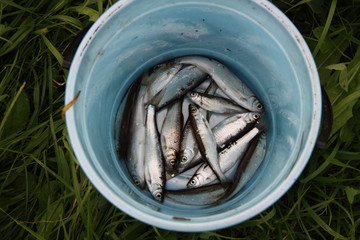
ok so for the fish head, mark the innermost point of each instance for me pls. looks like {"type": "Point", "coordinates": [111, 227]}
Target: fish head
{"type": "Point", "coordinates": [256, 105]}
{"type": "Point", "coordinates": [193, 96]}
{"type": "Point", "coordinates": [185, 157]}
{"type": "Point", "coordinates": [195, 181]}
{"type": "Point", "coordinates": [254, 116]}
{"type": "Point", "coordinates": [158, 194]}
{"type": "Point", "coordinates": [170, 159]}
{"type": "Point", "coordinates": [137, 181]}
{"type": "Point", "coordinates": [193, 110]}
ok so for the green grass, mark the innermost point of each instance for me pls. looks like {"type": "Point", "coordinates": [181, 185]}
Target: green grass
{"type": "Point", "coordinates": [45, 195]}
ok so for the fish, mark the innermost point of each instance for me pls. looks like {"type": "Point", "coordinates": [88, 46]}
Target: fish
{"type": "Point", "coordinates": [225, 132]}
{"type": "Point", "coordinates": [171, 135]}
{"type": "Point", "coordinates": [188, 147]}
{"type": "Point", "coordinates": [136, 147]}
{"type": "Point", "coordinates": [185, 80]}
{"type": "Point", "coordinates": [154, 163]}
{"type": "Point", "coordinates": [206, 141]}
{"type": "Point", "coordinates": [233, 127]}
{"type": "Point", "coordinates": [214, 103]}
{"type": "Point", "coordinates": [179, 181]}
{"type": "Point", "coordinates": [158, 80]}
{"type": "Point", "coordinates": [131, 99]}
{"type": "Point", "coordinates": [202, 196]}
{"type": "Point", "coordinates": [226, 80]}
{"type": "Point", "coordinates": [228, 158]}
{"type": "Point", "coordinates": [253, 158]}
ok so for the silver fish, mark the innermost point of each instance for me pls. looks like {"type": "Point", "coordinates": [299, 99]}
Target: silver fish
{"type": "Point", "coordinates": [228, 158]}
{"type": "Point", "coordinates": [151, 74]}
{"type": "Point", "coordinates": [214, 103]}
{"type": "Point", "coordinates": [130, 101]}
{"type": "Point", "coordinates": [227, 81]}
{"type": "Point", "coordinates": [185, 80]}
{"type": "Point", "coordinates": [248, 166]}
{"type": "Point", "coordinates": [160, 80]}
{"type": "Point", "coordinates": [229, 129]}
{"type": "Point", "coordinates": [136, 151]}
{"type": "Point", "coordinates": [179, 181]}
{"type": "Point", "coordinates": [171, 135]}
{"type": "Point", "coordinates": [233, 127]}
{"type": "Point", "coordinates": [203, 196]}
{"type": "Point", "coordinates": [188, 147]}
{"type": "Point", "coordinates": [206, 141]}
{"type": "Point", "coordinates": [154, 167]}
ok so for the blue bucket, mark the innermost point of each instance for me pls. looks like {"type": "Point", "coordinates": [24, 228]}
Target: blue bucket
{"type": "Point", "coordinates": [252, 37]}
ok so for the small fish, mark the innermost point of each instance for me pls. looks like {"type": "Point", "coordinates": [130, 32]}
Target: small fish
{"type": "Point", "coordinates": [171, 135]}
{"type": "Point", "coordinates": [160, 80]}
{"type": "Point", "coordinates": [214, 103]}
{"type": "Point", "coordinates": [228, 158]}
{"type": "Point", "coordinates": [202, 196]}
{"type": "Point", "coordinates": [233, 127]}
{"type": "Point", "coordinates": [136, 148]}
{"type": "Point", "coordinates": [179, 181]}
{"type": "Point", "coordinates": [226, 80]}
{"type": "Point", "coordinates": [185, 80]}
{"type": "Point", "coordinates": [253, 158]}
{"type": "Point", "coordinates": [188, 147]}
{"type": "Point", "coordinates": [131, 99]}
{"type": "Point", "coordinates": [225, 132]}
{"type": "Point", "coordinates": [154, 166]}
{"type": "Point", "coordinates": [206, 141]}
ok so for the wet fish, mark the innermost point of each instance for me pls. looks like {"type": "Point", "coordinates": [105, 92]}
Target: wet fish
{"type": "Point", "coordinates": [154, 166]}
{"type": "Point", "coordinates": [248, 166]}
{"type": "Point", "coordinates": [171, 135]}
{"type": "Point", "coordinates": [188, 147]}
{"type": "Point", "coordinates": [126, 119]}
{"type": "Point", "coordinates": [159, 79]}
{"type": "Point", "coordinates": [202, 196]}
{"type": "Point", "coordinates": [226, 131]}
{"type": "Point", "coordinates": [214, 103]}
{"type": "Point", "coordinates": [233, 127]}
{"type": "Point", "coordinates": [185, 80]}
{"type": "Point", "coordinates": [136, 148]}
{"type": "Point", "coordinates": [226, 80]}
{"type": "Point", "coordinates": [179, 181]}
{"type": "Point", "coordinates": [206, 141]}
{"type": "Point", "coordinates": [228, 158]}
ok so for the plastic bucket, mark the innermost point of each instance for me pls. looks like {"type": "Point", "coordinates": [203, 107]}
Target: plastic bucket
{"type": "Point", "coordinates": [252, 37]}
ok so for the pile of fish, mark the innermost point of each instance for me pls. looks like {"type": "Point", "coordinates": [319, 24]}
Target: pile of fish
{"type": "Point", "coordinates": [208, 157]}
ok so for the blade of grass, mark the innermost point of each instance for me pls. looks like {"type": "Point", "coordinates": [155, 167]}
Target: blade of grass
{"type": "Point", "coordinates": [52, 49]}
{"type": "Point", "coordinates": [326, 27]}
{"type": "Point", "coordinates": [34, 234]}
{"type": "Point", "coordinates": [321, 223]}
{"type": "Point", "coordinates": [11, 106]}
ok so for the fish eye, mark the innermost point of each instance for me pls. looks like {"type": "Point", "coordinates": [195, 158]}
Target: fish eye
{"type": "Point", "coordinates": [193, 109]}
{"type": "Point", "coordinates": [193, 94]}
{"type": "Point", "coordinates": [184, 159]}
{"type": "Point", "coordinates": [259, 106]}
{"type": "Point", "coordinates": [256, 116]}
{"type": "Point", "coordinates": [172, 162]}
{"type": "Point", "coordinates": [158, 195]}
{"type": "Point", "coordinates": [136, 182]}
{"type": "Point", "coordinates": [193, 182]}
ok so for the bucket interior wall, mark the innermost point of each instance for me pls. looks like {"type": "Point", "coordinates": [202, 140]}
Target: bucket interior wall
{"type": "Point", "coordinates": [261, 53]}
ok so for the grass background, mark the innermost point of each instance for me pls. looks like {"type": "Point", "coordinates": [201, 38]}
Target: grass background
{"type": "Point", "coordinates": [43, 191]}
